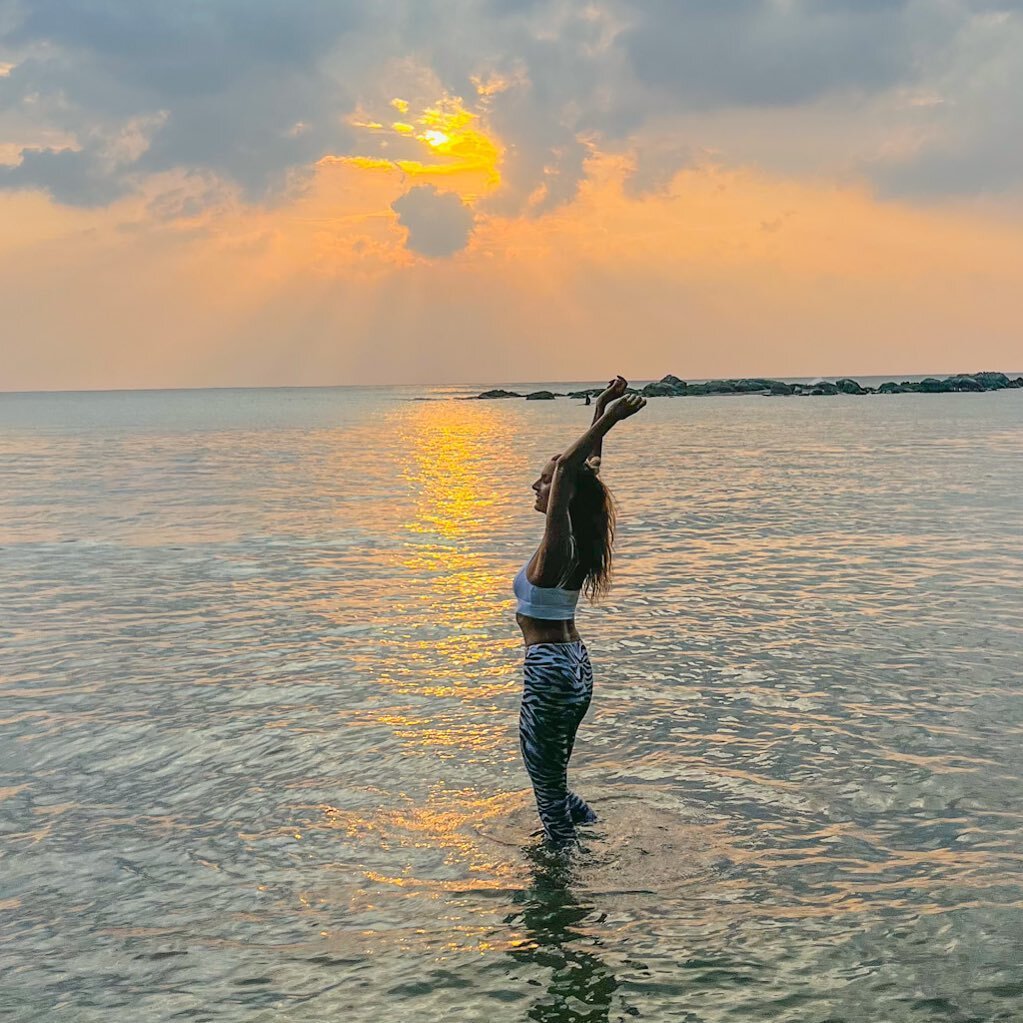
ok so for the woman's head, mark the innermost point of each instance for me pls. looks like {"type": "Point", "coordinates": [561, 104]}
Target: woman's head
{"type": "Point", "coordinates": [592, 514]}
{"type": "Point", "coordinates": [542, 484]}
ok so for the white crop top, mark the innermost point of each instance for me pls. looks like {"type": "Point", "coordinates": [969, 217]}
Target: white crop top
{"type": "Point", "coordinates": [548, 602]}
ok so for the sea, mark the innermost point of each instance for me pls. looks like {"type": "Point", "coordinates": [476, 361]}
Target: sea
{"type": "Point", "coordinates": [259, 684]}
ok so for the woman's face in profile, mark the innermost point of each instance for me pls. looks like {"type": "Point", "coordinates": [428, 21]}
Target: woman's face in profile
{"type": "Point", "coordinates": [542, 486]}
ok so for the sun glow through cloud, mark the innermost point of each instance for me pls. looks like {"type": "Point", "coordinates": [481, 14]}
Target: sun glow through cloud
{"type": "Point", "coordinates": [437, 139]}
{"type": "Point", "coordinates": [455, 145]}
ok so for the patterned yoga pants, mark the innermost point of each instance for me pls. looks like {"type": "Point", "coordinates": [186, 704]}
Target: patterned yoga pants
{"type": "Point", "coordinates": [555, 698]}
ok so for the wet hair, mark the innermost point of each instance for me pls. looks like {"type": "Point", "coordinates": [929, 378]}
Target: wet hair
{"type": "Point", "coordinates": [593, 514]}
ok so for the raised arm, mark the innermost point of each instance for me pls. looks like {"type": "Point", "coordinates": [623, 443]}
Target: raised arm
{"type": "Point", "coordinates": [553, 559]}
{"type": "Point", "coordinates": [570, 460]}
{"type": "Point", "coordinates": [615, 389]}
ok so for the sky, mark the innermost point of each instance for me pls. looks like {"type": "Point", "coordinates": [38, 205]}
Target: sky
{"type": "Point", "coordinates": [330, 192]}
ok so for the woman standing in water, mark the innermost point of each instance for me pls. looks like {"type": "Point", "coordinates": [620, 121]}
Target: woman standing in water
{"type": "Point", "coordinates": [575, 554]}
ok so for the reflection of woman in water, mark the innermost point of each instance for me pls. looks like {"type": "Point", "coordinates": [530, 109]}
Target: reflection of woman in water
{"type": "Point", "coordinates": [563, 938]}
{"type": "Point", "coordinates": [574, 555]}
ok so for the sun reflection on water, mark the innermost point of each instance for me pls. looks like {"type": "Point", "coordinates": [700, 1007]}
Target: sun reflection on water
{"type": "Point", "coordinates": [454, 451]}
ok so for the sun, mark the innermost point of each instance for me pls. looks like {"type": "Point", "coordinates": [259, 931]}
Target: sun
{"type": "Point", "coordinates": [437, 139]}
{"type": "Point", "coordinates": [455, 144]}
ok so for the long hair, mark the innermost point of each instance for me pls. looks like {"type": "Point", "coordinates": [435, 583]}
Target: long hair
{"type": "Point", "coordinates": [593, 514]}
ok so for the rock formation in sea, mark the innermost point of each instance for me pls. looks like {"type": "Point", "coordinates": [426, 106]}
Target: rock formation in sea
{"type": "Point", "coordinates": [671, 386]}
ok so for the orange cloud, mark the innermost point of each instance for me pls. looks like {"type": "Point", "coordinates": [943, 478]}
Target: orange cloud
{"type": "Point", "coordinates": [726, 272]}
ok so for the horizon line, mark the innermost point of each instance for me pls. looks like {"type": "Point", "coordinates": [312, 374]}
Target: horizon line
{"type": "Point", "coordinates": [465, 384]}
{"type": "Point", "coordinates": [473, 383]}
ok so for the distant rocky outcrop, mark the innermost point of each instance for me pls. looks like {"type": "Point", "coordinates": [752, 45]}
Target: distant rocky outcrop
{"type": "Point", "coordinates": [660, 390]}
{"type": "Point", "coordinates": [744, 385]}
{"type": "Point", "coordinates": [959, 382]}
{"type": "Point", "coordinates": [672, 386]}
{"type": "Point", "coordinates": [968, 383]}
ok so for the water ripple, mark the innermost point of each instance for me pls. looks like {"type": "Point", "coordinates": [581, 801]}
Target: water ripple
{"type": "Point", "coordinates": [259, 681]}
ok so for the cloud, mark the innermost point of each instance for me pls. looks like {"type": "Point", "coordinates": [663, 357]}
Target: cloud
{"type": "Point", "coordinates": [970, 135]}
{"type": "Point", "coordinates": [656, 164]}
{"type": "Point", "coordinates": [439, 223]}
{"type": "Point", "coordinates": [703, 53]}
{"type": "Point", "coordinates": [255, 92]}
{"type": "Point", "coordinates": [241, 89]}
{"type": "Point", "coordinates": [73, 177]}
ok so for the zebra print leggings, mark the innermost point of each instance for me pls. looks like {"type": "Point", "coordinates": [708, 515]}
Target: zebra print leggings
{"type": "Point", "coordinates": [555, 698]}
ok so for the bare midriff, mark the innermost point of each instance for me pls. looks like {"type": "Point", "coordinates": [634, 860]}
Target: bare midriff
{"type": "Point", "coordinates": [549, 630]}
{"type": "Point", "coordinates": [543, 630]}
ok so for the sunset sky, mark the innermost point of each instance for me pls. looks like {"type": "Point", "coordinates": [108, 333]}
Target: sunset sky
{"type": "Point", "coordinates": [260, 192]}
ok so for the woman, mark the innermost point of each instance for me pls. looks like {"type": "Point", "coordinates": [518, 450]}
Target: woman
{"type": "Point", "coordinates": [575, 553]}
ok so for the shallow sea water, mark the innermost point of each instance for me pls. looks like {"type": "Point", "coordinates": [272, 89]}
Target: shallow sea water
{"type": "Point", "coordinates": [259, 674]}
